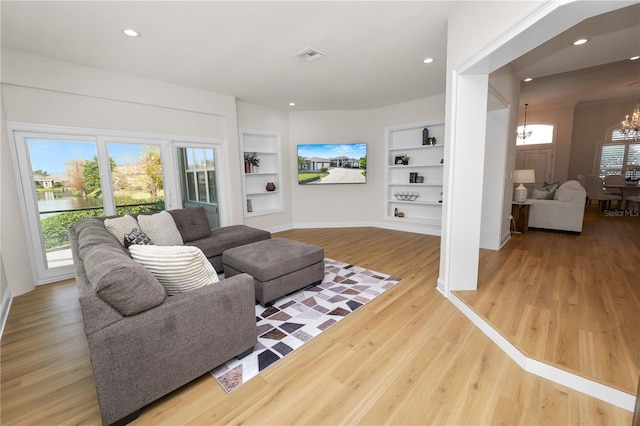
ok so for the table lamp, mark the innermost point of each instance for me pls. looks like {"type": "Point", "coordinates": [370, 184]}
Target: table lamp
{"type": "Point", "coordinates": [523, 176]}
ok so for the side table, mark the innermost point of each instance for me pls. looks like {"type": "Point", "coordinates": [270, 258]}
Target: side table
{"type": "Point", "coordinates": [520, 213]}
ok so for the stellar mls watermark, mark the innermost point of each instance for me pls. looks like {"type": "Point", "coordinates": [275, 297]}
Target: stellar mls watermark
{"type": "Point", "coordinates": [620, 213]}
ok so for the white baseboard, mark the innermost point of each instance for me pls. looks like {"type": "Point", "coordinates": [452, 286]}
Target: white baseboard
{"type": "Point", "coordinates": [7, 298]}
{"type": "Point", "coordinates": [597, 390]}
{"type": "Point", "coordinates": [279, 228]}
{"type": "Point", "coordinates": [406, 227]}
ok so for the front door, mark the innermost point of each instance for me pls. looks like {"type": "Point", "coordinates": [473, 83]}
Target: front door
{"type": "Point", "coordinates": [540, 160]}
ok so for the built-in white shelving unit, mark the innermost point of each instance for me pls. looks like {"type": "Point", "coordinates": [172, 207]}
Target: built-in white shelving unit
{"type": "Point", "coordinates": [425, 161]}
{"type": "Point", "coordinates": [258, 200]}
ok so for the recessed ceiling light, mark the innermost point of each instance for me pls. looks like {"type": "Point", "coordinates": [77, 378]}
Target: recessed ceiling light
{"type": "Point", "coordinates": [633, 58]}
{"type": "Point", "coordinates": [580, 41]}
{"type": "Point", "coordinates": [131, 33]}
{"type": "Point", "coordinates": [528, 79]}
{"type": "Point", "coordinates": [292, 104]}
{"type": "Point", "coordinates": [427, 60]}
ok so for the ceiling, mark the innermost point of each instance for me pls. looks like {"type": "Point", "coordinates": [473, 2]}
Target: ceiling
{"type": "Point", "coordinates": [373, 50]}
{"type": "Point", "coordinates": [598, 70]}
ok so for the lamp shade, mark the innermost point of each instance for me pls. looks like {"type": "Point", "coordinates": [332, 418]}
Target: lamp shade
{"type": "Point", "coordinates": [524, 176]}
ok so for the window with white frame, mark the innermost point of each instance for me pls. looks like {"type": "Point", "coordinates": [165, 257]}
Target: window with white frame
{"type": "Point", "coordinates": [540, 134]}
{"type": "Point", "coordinates": [66, 174]}
{"type": "Point", "coordinates": [618, 156]}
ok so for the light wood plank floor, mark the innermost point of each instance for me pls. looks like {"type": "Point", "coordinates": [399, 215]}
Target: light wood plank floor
{"type": "Point", "coordinates": [572, 301]}
{"type": "Point", "coordinates": [408, 357]}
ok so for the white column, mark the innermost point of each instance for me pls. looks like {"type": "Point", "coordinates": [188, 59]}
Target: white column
{"type": "Point", "coordinates": [465, 169]}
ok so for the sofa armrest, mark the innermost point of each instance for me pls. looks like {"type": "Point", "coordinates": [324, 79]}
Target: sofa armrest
{"type": "Point", "coordinates": [145, 356]}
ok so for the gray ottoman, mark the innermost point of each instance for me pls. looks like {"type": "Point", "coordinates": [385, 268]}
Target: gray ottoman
{"type": "Point", "coordinates": [279, 266]}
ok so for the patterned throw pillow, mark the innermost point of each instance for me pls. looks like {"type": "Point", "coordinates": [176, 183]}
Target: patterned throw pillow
{"type": "Point", "coordinates": [161, 228]}
{"type": "Point", "coordinates": [178, 268]}
{"type": "Point", "coordinates": [136, 236]}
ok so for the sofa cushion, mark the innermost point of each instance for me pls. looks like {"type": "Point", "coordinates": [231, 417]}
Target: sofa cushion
{"type": "Point", "coordinates": [89, 222]}
{"type": "Point", "coordinates": [192, 223]}
{"type": "Point", "coordinates": [178, 268]}
{"type": "Point", "coordinates": [227, 237]}
{"type": "Point", "coordinates": [90, 237]}
{"type": "Point", "coordinates": [122, 282]}
{"type": "Point", "coordinates": [120, 226]}
{"type": "Point", "coordinates": [571, 192]}
{"type": "Point", "coordinates": [161, 228]}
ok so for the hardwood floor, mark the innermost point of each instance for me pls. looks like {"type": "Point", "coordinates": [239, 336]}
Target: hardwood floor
{"type": "Point", "coordinates": [572, 301]}
{"type": "Point", "coordinates": [408, 357]}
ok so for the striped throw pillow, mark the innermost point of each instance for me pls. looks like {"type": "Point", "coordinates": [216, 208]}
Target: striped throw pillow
{"type": "Point", "coordinates": [178, 268]}
{"type": "Point", "coordinates": [160, 228]}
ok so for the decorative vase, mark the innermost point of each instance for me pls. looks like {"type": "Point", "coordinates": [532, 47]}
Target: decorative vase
{"type": "Point", "coordinates": [247, 167]}
{"type": "Point", "coordinates": [249, 206]}
{"type": "Point", "coordinates": [271, 186]}
{"type": "Point", "coordinates": [425, 136]}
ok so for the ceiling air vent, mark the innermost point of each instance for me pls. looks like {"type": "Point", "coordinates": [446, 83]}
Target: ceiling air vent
{"type": "Point", "coordinates": [309, 54]}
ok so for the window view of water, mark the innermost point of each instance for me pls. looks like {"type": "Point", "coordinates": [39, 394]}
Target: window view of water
{"type": "Point", "coordinates": [52, 203]}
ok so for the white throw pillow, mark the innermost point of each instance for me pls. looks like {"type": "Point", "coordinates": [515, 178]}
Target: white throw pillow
{"type": "Point", "coordinates": [178, 268]}
{"type": "Point", "coordinates": [160, 228]}
{"type": "Point", "coordinates": [120, 226]}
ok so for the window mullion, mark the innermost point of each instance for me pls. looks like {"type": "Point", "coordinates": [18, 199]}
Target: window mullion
{"type": "Point", "coordinates": [104, 165]}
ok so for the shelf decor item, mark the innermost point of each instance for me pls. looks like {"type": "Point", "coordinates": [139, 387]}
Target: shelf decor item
{"type": "Point", "coordinates": [425, 136]}
{"type": "Point", "coordinates": [431, 141]}
{"type": "Point", "coordinates": [406, 196]}
{"type": "Point", "coordinates": [271, 186]}
{"type": "Point", "coordinates": [252, 161]}
{"type": "Point", "coordinates": [249, 206]}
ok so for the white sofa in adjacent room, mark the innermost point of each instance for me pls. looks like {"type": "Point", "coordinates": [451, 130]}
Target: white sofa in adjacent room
{"type": "Point", "coordinates": [564, 212]}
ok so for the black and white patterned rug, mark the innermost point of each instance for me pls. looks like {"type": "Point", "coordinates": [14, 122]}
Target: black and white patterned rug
{"type": "Point", "coordinates": [297, 318]}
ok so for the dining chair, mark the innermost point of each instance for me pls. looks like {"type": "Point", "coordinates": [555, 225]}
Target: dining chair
{"type": "Point", "coordinates": [613, 180]}
{"type": "Point", "coordinates": [633, 201]}
{"type": "Point", "coordinates": [595, 191]}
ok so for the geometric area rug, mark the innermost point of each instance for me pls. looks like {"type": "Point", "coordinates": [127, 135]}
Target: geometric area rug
{"type": "Point", "coordinates": [295, 319]}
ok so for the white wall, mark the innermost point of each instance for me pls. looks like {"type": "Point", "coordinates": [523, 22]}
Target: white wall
{"type": "Point", "coordinates": [590, 122]}
{"type": "Point", "coordinates": [257, 117]}
{"type": "Point", "coordinates": [499, 160]}
{"type": "Point", "coordinates": [561, 117]}
{"type": "Point", "coordinates": [44, 91]}
{"type": "Point", "coordinates": [358, 204]}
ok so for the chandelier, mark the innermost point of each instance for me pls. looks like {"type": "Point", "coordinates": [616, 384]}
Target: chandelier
{"type": "Point", "coordinates": [631, 128]}
{"type": "Point", "coordinates": [524, 134]}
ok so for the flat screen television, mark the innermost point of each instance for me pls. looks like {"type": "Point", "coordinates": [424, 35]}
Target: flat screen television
{"type": "Point", "coordinates": [340, 163]}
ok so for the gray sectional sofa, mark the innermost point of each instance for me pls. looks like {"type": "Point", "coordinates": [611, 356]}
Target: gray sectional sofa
{"type": "Point", "coordinates": [144, 344]}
